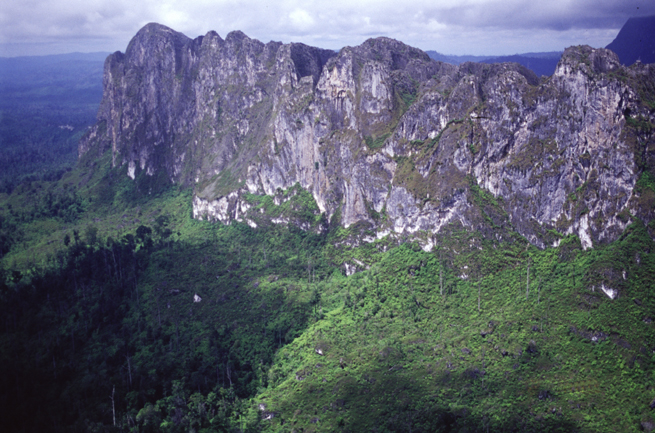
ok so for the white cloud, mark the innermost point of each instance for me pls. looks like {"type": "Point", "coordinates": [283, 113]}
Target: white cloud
{"type": "Point", "coordinates": [301, 20]}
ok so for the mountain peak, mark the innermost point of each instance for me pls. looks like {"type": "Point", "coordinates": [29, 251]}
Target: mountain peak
{"type": "Point", "coordinates": [594, 60]}
{"type": "Point", "coordinates": [154, 36]}
{"type": "Point", "coordinates": [390, 50]}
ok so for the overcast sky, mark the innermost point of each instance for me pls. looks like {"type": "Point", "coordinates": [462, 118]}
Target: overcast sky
{"type": "Point", "coordinates": [480, 27]}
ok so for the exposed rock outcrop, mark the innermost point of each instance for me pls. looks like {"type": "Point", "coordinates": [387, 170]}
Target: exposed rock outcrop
{"type": "Point", "coordinates": [382, 135]}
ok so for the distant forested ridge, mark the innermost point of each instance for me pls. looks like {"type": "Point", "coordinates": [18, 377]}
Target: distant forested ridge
{"type": "Point", "coordinates": [539, 63]}
{"type": "Point", "coordinates": [46, 105]}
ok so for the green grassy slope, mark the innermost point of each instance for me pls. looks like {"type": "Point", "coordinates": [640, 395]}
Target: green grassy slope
{"type": "Point", "coordinates": [99, 323]}
{"type": "Point", "coordinates": [400, 356]}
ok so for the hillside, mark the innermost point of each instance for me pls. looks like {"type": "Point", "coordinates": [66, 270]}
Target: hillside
{"type": "Point", "coordinates": [635, 41]}
{"type": "Point", "coordinates": [271, 237]}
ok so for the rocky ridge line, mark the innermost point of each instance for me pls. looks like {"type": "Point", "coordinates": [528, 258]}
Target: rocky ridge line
{"type": "Point", "coordinates": [383, 136]}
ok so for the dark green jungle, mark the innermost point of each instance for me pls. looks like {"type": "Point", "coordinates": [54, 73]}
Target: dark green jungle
{"type": "Point", "coordinates": [122, 313]}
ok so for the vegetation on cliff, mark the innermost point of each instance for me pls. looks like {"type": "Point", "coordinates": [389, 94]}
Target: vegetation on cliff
{"type": "Point", "coordinates": [127, 314]}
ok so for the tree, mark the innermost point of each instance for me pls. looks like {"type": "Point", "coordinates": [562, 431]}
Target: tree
{"type": "Point", "coordinates": [161, 228]}
{"type": "Point", "coordinates": [527, 281]}
{"type": "Point", "coordinates": [91, 235]}
{"type": "Point", "coordinates": [143, 236]}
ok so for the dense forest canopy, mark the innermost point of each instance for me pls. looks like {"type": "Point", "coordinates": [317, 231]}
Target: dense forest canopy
{"type": "Point", "coordinates": [46, 105]}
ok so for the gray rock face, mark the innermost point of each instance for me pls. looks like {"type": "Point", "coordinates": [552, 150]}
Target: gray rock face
{"type": "Point", "coordinates": [383, 135]}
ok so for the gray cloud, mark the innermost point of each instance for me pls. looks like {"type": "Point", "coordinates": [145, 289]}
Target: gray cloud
{"type": "Point", "coordinates": [449, 26]}
{"type": "Point", "coordinates": [559, 15]}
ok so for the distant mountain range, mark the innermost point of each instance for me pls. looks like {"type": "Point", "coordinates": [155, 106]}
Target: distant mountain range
{"type": "Point", "coordinates": [539, 63]}
{"type": "Point", "coordinates": [59, 79]}
{"type": "Point", "coordinates": [635, 41]}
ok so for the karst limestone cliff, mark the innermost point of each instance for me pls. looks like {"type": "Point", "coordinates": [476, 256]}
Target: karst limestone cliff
{"type": "Point", "coordinates": [383, 136]}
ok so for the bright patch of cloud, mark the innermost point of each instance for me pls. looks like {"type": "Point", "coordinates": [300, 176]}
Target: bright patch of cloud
{"type": "Point", "coordinates": [301, 20]}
